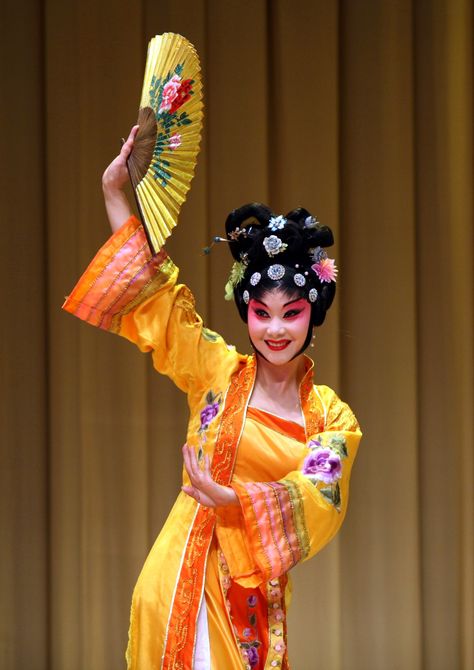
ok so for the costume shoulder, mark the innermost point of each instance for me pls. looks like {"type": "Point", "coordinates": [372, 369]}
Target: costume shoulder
{"type": "Point", "coordinates": [337, 414]}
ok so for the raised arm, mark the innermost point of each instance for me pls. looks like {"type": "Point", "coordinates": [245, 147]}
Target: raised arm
{"type": "Point", "coordinates": [131, 292]}
{"type": "Point", "coordinates": [114, 180]}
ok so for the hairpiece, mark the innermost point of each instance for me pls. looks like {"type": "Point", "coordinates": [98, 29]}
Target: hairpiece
{"type": "Point", "coordinates": [277, 222]}
{"type": "Point", "coordinates": [276, 272]}
{"type": "Point", "coordinates": [313, 295]}
{"type": "Point", "coordinates": [246, 297]}
{"type": "Point", "coordinates": [255, 278]}
{"type": "Point", "coordinates": [274, 245]}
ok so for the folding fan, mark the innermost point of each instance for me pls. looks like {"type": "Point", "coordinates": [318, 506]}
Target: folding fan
{"type": "Point", "coordinates": [161, 165]}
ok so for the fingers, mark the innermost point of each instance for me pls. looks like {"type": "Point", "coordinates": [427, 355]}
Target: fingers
{"type": "Point", "coordinates": [191, 464]}
{"type": "Point", "coordinates": [192, 492]}
{"type": "Point", "coordinates": [128, 144]}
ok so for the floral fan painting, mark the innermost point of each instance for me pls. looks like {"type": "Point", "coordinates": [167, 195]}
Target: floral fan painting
{"type": "Point", "coordinates": [161, 165]}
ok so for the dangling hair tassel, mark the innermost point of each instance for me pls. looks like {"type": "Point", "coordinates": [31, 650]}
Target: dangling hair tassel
{"type": "Point", "coordinates": [215, 240]}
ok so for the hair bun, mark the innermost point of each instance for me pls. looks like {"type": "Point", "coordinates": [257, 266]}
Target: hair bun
{"type": "Point", "coordinates": [242, 224]}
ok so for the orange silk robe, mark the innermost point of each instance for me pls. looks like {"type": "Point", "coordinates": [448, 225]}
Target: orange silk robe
{"type": "Point", "coordinates": [212, 592]}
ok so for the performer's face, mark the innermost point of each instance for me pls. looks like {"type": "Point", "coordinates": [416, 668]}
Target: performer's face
{"type": "Point", "coordinates": [278, 325]}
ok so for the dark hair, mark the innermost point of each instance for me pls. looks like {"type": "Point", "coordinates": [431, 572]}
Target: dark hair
{"type": "Point", "coordinates": [246, 229]}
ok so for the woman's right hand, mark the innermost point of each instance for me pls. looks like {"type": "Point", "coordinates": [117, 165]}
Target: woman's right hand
{"type": "Point", "coordinates": [113, 181]}
{"type": "Point", "coordinates": [116, 174]}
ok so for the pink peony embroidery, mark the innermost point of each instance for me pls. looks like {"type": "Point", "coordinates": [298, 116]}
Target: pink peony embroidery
{"type": "Point", "coordinates": [326, 270]}
{"type": "Point", "coordinates": [170, 91]}
{"type": "Point", "coordinates": [175, 141]}
{"type": "Point", "coordinates": [323, 464]}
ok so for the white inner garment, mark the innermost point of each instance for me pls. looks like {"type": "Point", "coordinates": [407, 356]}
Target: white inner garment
{"type": "Point", "coordinates": [202, 652]}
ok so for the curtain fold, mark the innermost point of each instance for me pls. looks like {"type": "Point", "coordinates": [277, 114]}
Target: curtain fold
{"type": "Point", "coordinates": [360, 112]}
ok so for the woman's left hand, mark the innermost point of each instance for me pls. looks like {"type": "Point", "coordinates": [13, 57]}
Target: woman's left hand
{"type": "Point", "coordinates": [203, 488]}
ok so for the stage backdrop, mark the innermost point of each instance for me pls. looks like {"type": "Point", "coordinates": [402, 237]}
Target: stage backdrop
{"type": "Point", "coordinates": [361, 111]}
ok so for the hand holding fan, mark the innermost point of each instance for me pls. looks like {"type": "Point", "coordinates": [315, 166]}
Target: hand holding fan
{"type": "Point", "coordinates": [161, 165]}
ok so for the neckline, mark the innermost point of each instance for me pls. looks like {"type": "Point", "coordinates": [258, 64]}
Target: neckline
{"type": "Point", "coordinates": [278, 416]}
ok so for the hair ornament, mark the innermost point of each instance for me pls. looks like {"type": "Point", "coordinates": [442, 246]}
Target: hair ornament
{"type": "Point", "coordinates": [276, 272]}
{"type": "Point", "coordinates": [274, 245]}
{"type": "Point", "coordinates": [246, 297]}
{"type": "Point", "coordinates": [318, 254]}
{"type": "Point", "coordinates": [276, 222]}
{"type": "Point", "coordinates": [310, 222]}
{"type": "Point", "coordinates": [236, 275]}
{"type": "Point", "coordinates": [299, 279]}
{"type": "Point", "coordinates": [255, 278]}
{"type": "Point", "coordinates": [236, 233]}
{"type": "Point", "coordinates": [326, 270]}
{"type": "Point", "coordinates": [215, 240]}
{"type": "Point", "coordinates": [313, 294]}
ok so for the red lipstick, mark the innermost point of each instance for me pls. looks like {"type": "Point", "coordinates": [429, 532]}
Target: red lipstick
{"type": "Point", "coordinates": [277, 345]}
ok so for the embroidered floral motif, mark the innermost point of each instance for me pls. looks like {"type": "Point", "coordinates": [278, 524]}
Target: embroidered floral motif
{"type": "Point", "coordinates": [185, 301]}
{"type": "Point", "coordinates": [247, 637]}
{"type": "Point", "coordinates": [249, 650]}
{"type": "Point", "coordinates": [210, 335]}
{"type": "Point", "coordinates": [323, 465]}
{"type": "Point", "coordinates": [208, 414]}
{"type": "Point", "coordinates": [276, 618]}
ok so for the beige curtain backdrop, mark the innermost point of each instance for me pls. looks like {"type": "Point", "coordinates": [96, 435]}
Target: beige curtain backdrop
{"type": "Point", "coordinates": [361, 110]}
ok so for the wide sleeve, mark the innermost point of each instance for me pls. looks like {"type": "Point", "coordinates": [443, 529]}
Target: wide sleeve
{"type": "Point", "coordinates": [288, 521]}
{"type": "Point", "coordinates": [127, 291]}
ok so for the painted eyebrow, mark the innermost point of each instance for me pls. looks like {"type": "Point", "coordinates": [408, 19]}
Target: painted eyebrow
{"type": "Point", "coordinates": [284, 305]}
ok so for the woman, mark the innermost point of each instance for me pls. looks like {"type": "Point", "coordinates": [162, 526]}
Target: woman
{"type": "Point", "coordinates": [268, 454]}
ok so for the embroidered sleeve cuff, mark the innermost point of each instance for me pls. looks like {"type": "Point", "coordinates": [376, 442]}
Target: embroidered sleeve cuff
{"type": "Point", "coordinates": [122, 275]}
{"type": "Point", "coordinates": [275, 524]}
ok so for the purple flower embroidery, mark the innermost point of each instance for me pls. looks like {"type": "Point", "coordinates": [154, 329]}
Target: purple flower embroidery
{"type": "Point", "coordinates": [323, 464]}
{"type": "Point", "coordinates": [208, 413]}
{"type": "Point", "coordinates": [252, 601]}
{"type": "Point", "coordinates": [252, 655]}
{"type": "Point", "coordinates": [247, 632]}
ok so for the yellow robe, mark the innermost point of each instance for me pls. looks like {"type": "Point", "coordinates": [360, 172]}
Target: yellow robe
{"type": "Point", "coordinates": [182, 615]}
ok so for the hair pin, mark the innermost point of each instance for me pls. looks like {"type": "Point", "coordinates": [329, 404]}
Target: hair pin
{"type": "Point", "coordinates": [215, 240]}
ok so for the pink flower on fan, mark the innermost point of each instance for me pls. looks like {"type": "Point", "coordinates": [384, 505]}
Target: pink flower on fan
{"type": "Point", "coordinates": [175, 141]}
{"type": "Point", "coordinates": [170, 91]}
{"type": "Point", "coordinates": [326, 270]}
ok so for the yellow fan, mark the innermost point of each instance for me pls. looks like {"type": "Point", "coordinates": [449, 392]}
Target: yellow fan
{"type": "Point", "coordinates": [161, 165]}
